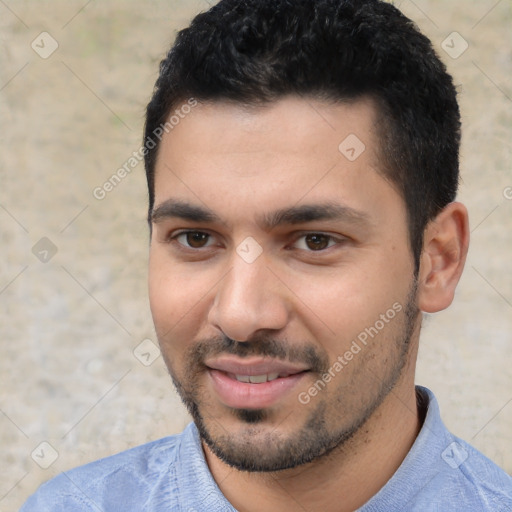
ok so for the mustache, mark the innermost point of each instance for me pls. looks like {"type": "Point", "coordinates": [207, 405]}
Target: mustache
{"type": "Point", "coordinates": [261, 345]}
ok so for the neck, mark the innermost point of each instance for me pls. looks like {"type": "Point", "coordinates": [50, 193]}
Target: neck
{"type": "Point", "coordinates": [344, 479]}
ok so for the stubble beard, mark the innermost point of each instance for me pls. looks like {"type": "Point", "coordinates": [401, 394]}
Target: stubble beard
{"type": "Point", "coordinates": [258, 446]}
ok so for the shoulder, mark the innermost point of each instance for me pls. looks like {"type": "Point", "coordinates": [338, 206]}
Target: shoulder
{"type": "Point", "coordinates": [466, 476]}
{"type": "Point", "coordinates": [453, 474]}
{"type": "Point", "coordinates": [126, 478]}
{"type": "Point", "coordinates": [442, 472]}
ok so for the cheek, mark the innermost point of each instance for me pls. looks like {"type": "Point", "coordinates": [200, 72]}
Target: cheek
{"type": "Point", "coordinates": [341, 304]}
{"type": "Point", "coordinates": [179, 299]}
{"type": "Point", "coordinates": [173, 314]}
{"type": "Point", "coordinates": [172, 294]}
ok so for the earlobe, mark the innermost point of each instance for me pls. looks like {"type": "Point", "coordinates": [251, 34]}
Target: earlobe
{"type": "Point", "coordinates": [445, 247]}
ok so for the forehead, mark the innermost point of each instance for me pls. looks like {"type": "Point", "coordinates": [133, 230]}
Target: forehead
{"type": "Point", "coordinates": [280, 126]}
{"type": "Point", "coordinates": [288, 151]}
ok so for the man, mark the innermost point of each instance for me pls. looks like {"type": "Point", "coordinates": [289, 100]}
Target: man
{"type": "Point", "coordinates": [302, 166]}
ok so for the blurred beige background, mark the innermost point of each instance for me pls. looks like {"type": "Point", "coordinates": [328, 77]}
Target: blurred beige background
{"type": "Point", "coordinates": [73, 268]}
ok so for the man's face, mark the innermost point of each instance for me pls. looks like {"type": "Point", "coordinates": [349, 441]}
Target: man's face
{"type": "Point", "coordinates": [281, 278]}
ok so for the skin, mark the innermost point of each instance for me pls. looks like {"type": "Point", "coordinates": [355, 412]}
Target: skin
{"type": "Point", "coordinates": [303, 299]}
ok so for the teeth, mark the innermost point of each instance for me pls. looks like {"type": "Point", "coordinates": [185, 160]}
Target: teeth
{"type": "Point", "coordinates": [257, 379]}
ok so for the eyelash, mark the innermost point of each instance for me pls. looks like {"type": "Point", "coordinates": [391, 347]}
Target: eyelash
{"type": "Point", "coordinates": [332, 240]}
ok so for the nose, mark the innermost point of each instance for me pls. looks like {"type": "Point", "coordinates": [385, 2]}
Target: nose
{"type": "Point", "coordinates": [250, 298]}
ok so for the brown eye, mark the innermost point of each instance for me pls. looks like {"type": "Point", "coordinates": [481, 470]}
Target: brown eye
{"type": "Point", "coordinates": [194, 239]}
{"type": "Point", "coordinates": [317, 241]}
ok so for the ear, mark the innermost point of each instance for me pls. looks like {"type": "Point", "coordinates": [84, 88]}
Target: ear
{"type": "Point", "coordinates": [445, 247]}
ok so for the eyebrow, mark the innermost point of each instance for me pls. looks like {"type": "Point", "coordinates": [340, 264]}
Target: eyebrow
{"type": "Point", "coordinates": [315, 212]}
{"type": "Point", "coordinates": [179, 209]}
{"type": "Point", "coordinates": [302, 214]}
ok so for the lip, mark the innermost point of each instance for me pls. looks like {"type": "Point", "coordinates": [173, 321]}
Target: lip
{"type": "Point", "coordinates": [246, 395]}
{"type": "Point", "coordinates": [253, 366]}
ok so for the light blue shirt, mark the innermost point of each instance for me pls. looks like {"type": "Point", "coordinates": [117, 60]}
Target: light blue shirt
{"type": "Point", "coordinates": [441, 473]}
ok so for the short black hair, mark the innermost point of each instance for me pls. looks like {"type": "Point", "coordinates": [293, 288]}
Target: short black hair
{"type": "Point", "coordinates": [254, 52]}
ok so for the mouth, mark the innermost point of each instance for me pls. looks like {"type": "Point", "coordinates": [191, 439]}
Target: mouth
{"type": "Point", "coordinates": [254, 383]}
{"type": "Point", "coordinates": [257, 379]}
